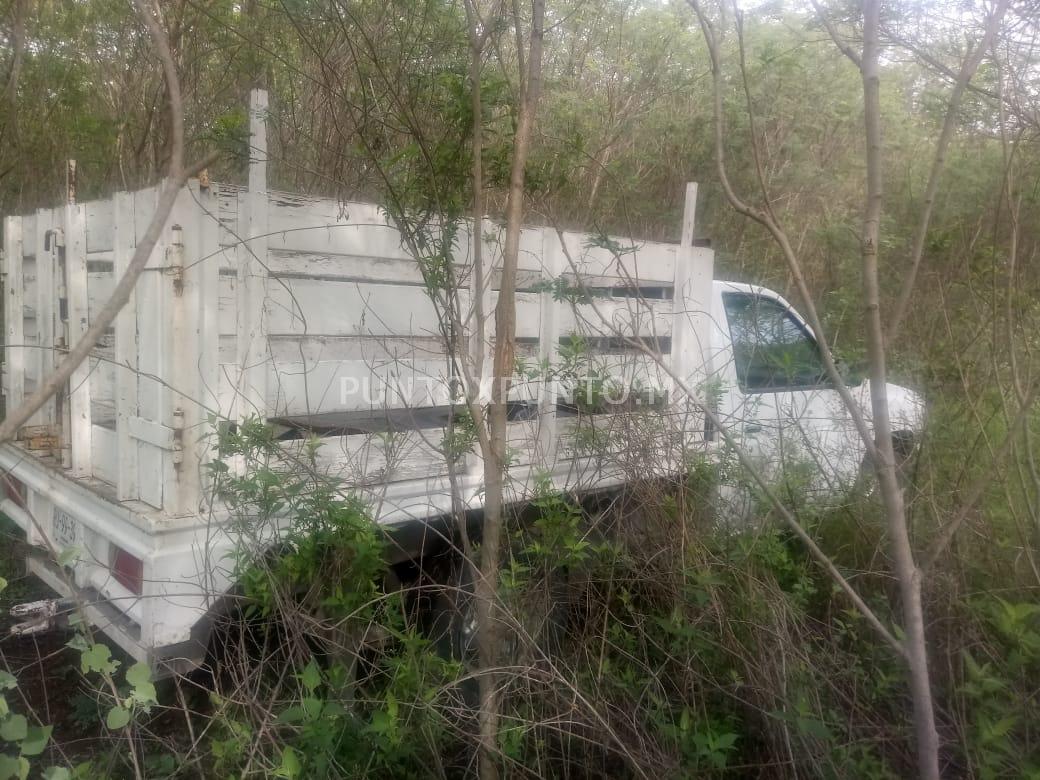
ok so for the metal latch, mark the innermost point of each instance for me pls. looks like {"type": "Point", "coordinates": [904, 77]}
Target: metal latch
{"type": "Point", "coordinates": [178, 436]}
{"type": "Point", "coordinates": [41, 615]}
{"type": "Point", "coordinates": [175, 259]}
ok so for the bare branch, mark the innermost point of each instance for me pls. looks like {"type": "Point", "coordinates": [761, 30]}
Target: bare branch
{"type": "Point", "coordinates": [832, 31]}
{"type": "Point", "coordinates": [968, 68]}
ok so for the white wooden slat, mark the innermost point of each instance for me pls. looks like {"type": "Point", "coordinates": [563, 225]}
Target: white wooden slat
{"type": "Point", "coordinates": [352, 385]}
{"type": "Point", "coordinates": [624, 317]}
{"type": "Point", "coordinates": [351, 268]}
{"type": "Point", "coordinates": [635, 259]}
{"type": "Point", "coordinates": [528, 312]}
{"type": "Point", "coordinates": [29, 235]}
{"type": "Point", "coordinates": [102, 376]}
{"type": "Point", "coordinates": [152, 433]}
{"type": "Point", "coordinates": [152, 316]}
{"type": "Point", "coordinates": [380, 349]}
{"type": "Point", "coordinates": [104, 454]}
{"type": "Point", "coordinates": [326, 227]}
{"type": "Point", "coordinates": [125, 351]}
{"type": "Point", "coordinates": [14, 355]}
{"type": "Point", "coordinates": [79, 383]}
{"type": "Point", "coordinates": [144, 206]}
{"type": "Point", "coordinates": [100, 285]}
{"type": "Point", "coordinates": [365, 459]}
{"type": "Point", "coordinates": [315, 307]}
{"type": "Point", "coordinates": [100, 217]}
{"type": "Point", "coordinates": [225, 287]}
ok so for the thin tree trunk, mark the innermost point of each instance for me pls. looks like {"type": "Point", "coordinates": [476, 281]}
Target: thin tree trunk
{"type": "Point", "coordinates": [907, 573]}
{"type": "Point", "coordinates": [494, 467]}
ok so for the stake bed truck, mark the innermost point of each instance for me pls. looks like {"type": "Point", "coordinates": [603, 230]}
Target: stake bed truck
{"type": "Point", "coordinates": [316, 316]}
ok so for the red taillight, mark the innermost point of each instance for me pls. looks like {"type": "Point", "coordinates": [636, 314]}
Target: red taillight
{"type": "Point", "coordinates": [127, 570]}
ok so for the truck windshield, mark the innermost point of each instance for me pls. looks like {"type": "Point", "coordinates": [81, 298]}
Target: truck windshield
{"type": "Point", "coordinates": [771, 349]}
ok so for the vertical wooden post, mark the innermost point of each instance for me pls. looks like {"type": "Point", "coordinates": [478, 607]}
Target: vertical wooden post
{"type": "Point", "coordinates": [683, 356]}
{"type": "Point", "coordinates": [45, 307]}
{"type": "Point", "coordinates": [79, 384]}
{"type": "Point", "coordinates": [252, 266]}
{"type": "Point", "coordinates": [14, 290]}
{"type": "Point", "coordinates": [208, 270]}
{"type": "Point", "coordinates": [70, 182]}
{"type": "Point", "coordinates": [691, 304]}
{"type": "Point", "coordinates": [123, 242]}
{"type": "Point", "coordinates": [548, 346]}
{"type": "Point", "coordinates": [185, 354]}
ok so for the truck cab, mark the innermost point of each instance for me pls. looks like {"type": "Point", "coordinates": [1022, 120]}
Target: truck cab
{"type": "Point", "coordinates": [776, 397]}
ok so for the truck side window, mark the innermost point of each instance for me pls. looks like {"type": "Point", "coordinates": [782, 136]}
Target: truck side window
{"type": "Point", "coordinates": [772, 350]}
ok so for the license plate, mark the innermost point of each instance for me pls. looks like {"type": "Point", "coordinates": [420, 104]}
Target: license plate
{"type": "Point", "coordinates": [66, 529]}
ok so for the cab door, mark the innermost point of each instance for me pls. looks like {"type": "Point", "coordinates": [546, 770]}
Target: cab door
{"type": "Point", "coordinates": [780, 404]}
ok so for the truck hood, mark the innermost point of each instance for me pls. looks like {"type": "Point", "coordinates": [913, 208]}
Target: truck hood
{"type": "Point", "coordinates": [906, 408]}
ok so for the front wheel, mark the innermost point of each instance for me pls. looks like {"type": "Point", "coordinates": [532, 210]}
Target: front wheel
{"type": "Point", "coordinates": [905, 447]}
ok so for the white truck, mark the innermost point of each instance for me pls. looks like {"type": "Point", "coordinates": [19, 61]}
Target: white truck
{"type": "Point", "coordinates": [312, 314]}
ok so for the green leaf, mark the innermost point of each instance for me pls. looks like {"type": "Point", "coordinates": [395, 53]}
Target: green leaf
{"type": "Point", "coordinates": [69, 556]}
{"type": "Point", "coordinates": [14, 728]}
{"type": "Point", "coordinates": [312, 707]}
{"type": "Point", "coordinates": [7, 681]}
{"type": "Point", "coordinates": [311, 676]}
{"type": "Point", "coordinates": [13, 767]}
{"type": "Point", "coordinates": [3, 584]}
{"type": "Point", "coordinates": [36, 740]}
{"type": "Point", "coordinates": [56, 773]}
{"type": "Point", "coordinates": [292, 715]}
{"type": "Point", "coordinates": [140, 678]}
{"type": "Point", "coordinates": [290, 767]}
{"type": "Point", "coordinates": [98, 658]}
{"type": "Point", "coordinates": [78, 642]}
{"type": "Point", "coordinates": [9, 767]}
{"type": "Point", "coordinates": [138, 674]}
{"type": "Point", "coordinates": [117, 718]}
